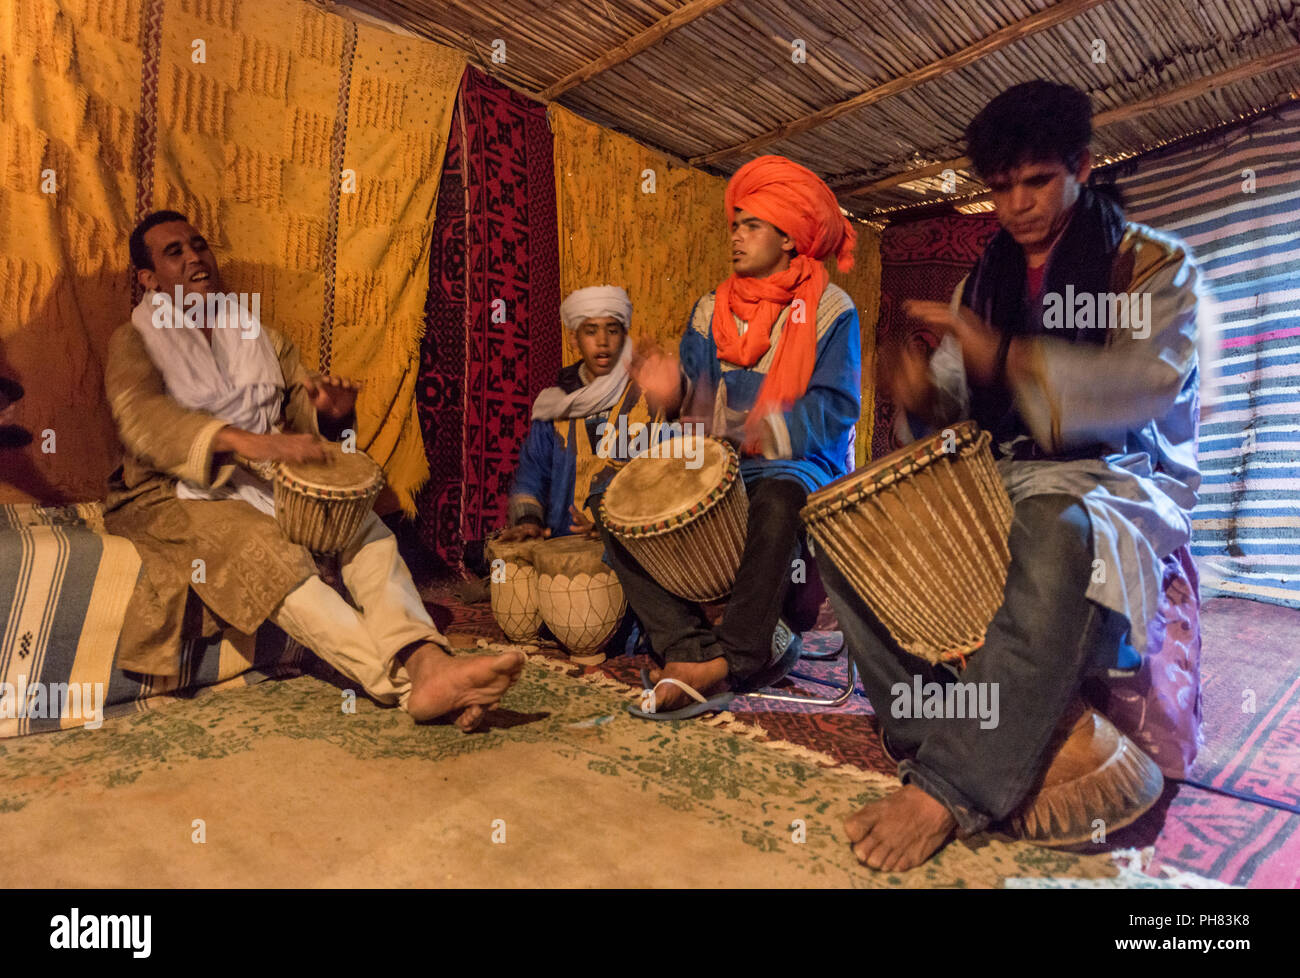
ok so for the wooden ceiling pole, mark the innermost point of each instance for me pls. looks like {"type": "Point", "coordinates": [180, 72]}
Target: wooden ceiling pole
{"type": "Point", "coordinates": [1123, 113]}
{"type": "Point", "coordinates": [649, 37]}
{"type": "Point", "coordinates": [1063, 11]}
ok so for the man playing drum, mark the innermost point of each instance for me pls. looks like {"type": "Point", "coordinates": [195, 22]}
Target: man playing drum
{"type": "Point", "coordinates": [191, 390]}
{"type": "Point", "coordinates": [775, 352]}
{"type": "Point", "coordinates": [1095, 432]}
{"type": "Point", "coordinates": [564, 461]}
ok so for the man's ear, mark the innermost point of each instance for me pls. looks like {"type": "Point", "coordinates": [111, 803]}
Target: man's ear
{"type": "Point", "coordinates": [147, 277]}
{"type": "Point", "coordinates": [1085, 167]}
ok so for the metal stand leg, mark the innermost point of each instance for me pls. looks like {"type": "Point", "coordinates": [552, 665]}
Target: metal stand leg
{"type": "Point", "coordinates": [838, 700]}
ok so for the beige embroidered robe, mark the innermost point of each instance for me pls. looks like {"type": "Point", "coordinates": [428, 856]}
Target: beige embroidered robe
{"type": "Point", "coordinates": [248, 566]}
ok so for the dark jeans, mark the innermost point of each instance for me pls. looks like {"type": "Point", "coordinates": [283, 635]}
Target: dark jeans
{"type": "Point", "coordinates": [678, 629]}
{"type": "Point", "coordinates": [1041, 642]}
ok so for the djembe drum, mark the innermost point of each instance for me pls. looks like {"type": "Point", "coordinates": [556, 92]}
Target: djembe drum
{"type": "Point", "coordinates": [921, 536]}
{"type": "Point", "coordinates": [685, 526]}
{"type": "Point", "coordinates": [1096, 773]}
{"type": "Point", "coordinates": [579, 596]}
{"type": "Point", "coordinates": [513, 588]}
{"type": "Point", "coordinates": [321, 505]}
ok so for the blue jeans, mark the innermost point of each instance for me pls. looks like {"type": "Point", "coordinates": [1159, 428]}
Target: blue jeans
{"type": "Point", "coordinates": [1045, 637]}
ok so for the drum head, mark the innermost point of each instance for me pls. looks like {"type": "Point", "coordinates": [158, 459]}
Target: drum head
{"type": "Point", "coordinates": [887, 470]}
{"type": "Point", "coordinates": [340, 471]}
{"type": "Point", "coordinates": [516, 552]}
{"type": "Point", "coordinates": [570, 556]}
{"type": "Point", "coordinates": [650, 490]}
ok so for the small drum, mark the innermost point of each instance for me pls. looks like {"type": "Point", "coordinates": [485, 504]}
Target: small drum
{"type": "Point", "coordinates": [921, 536]}
{"type": "Point", "coordinates": [321, 505]}
{"type": "Point", "coordinates": [580, 598]}
{"type": "Point", "coordinates": [1095, 773]}
{"type": "Point", "coordinates": [685, 526]}
{"type": "Point", "coordinates": [513, 588]}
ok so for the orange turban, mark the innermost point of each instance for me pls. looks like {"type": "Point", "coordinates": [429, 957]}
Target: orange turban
{"type": "Point", "coordinates": [799, 203]}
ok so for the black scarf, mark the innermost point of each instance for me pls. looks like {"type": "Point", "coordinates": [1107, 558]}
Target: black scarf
{"type": "Point", "coordinates": [995, 291]}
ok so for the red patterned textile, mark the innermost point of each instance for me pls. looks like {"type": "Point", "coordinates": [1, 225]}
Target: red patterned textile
{"type": "Point", "coordinates": [920, 260]}
{"type": "Point", "coordinates": [440, 391]}
{"type": "Point", "coordinates": [494, 339]}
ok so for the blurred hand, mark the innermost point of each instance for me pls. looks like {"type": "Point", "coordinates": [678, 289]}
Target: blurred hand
{"type": "Point", "coordinates": [905, 379]}
{"type": "Point", "coordinates": [581, 525]}
{"type": "Point", "coordinates": [523, 531]}
{"type": "Point", "coordinates": [283, 447]}
{"type": "Point", "coordinates": [333, 396]}
{"type": "Point", "coordinates": [659, 375]}
{"type": "Point", "coordinates": [979, 342]}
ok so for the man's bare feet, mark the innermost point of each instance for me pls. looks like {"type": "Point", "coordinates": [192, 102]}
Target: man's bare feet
{"type": "Point", "coordinates": [901, 831]}
{"type": "Point", "coordinates": [466, 686]}
{"type": "Point", "coordinates": [705, 678]}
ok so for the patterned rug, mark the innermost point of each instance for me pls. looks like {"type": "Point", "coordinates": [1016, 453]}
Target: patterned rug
{"type": "Point", "coordinates": [1248, 647]}
{"type": "Point", "coordinates": [1252, 702]}
{"type": "Point", "coordinates": [276, 785]}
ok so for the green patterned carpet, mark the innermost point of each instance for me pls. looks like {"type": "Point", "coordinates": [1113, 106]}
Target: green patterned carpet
{"type": "Point", "coordinates": [275, 785]}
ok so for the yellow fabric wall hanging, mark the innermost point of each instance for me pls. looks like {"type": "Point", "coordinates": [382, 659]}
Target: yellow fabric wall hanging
{"type": "Point", "coordinates": [862, 283]}
{"type": "Point", "coordinates": [667, 247]}
{"type": "Point", "coordinates": [307, 147]}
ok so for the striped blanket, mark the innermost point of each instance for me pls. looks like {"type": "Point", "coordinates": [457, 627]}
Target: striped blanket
{"type": "Point", "coordinates": [1236, 202]}
{"type": "Point", "coordinates": [64, 589]}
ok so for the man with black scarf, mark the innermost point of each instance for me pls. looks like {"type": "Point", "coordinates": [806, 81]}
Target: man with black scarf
{"type": "Point", "coordinates": [1074, 342]}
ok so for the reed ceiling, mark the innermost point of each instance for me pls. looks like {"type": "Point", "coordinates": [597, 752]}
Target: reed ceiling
{"type": "Point", "coordinates": [886, 88]}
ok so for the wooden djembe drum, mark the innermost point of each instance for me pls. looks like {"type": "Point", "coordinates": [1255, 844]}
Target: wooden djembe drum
{"type": "Point", "coordinates": [921, 535]}
{"type": "Point", "coordinates": [686, 526]}
{"type": "Point", "coordinates": [321, 505]}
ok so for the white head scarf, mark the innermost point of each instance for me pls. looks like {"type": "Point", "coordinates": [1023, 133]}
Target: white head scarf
{"type": "Point", "coordinates": [595, 303]}
{"type": "Point", "coordinates": [603, 392]}
{"type": "Point", "coordinates": [236, 378]}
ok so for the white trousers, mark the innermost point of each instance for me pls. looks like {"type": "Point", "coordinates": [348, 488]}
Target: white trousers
{"type": "Point", "coordinates": [363, 645]}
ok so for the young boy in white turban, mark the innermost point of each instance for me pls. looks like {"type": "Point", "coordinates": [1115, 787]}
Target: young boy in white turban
{"type": "Point", "coordinates": [566, 462]}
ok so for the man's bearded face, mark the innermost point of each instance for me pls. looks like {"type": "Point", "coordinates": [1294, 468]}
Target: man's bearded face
{"type": "Point", "coordinates": [181, 256]}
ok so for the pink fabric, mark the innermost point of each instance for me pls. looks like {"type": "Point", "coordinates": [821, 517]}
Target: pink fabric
{"type": "Point", "coordinates": [1160, 706]}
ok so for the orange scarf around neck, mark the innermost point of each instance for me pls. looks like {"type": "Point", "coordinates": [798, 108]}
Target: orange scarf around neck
{"type": "Point", "coordinates": [759, 302]}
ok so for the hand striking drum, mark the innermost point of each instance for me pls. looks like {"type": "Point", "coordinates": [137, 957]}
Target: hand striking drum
{"type": "Point", "coordinates": [321, 505]}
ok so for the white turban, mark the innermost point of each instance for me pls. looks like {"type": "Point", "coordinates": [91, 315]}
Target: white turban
{"type": "Point", "coordinates": [595, 303]}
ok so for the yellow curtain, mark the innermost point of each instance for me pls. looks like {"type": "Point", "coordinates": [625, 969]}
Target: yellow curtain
{"type": "Point", "coordinates": [308, 149]}
{"type": "Point", "coordinates": [630, 217]}
{"type": "Point", "coordinates": [69, 101]}
{"type": "Point", "coordinates": [862, 283]}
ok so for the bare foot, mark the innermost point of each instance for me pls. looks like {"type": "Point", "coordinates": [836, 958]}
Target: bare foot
{"type": "Point", "coordinates": [705, 678]}
{"type": "Point", "coordinates": [465, 685]}
{"type": "Point", "coordinates": [901, 831]}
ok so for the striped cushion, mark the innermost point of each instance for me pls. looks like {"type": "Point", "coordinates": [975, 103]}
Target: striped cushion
{"type": "Point", "coordinates": [64, 589]}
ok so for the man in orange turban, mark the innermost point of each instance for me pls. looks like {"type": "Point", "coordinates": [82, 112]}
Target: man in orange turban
{"type": "Point", "coordinates": [772, 359]}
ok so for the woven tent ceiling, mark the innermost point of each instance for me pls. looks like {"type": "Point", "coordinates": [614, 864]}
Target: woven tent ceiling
{"type": "Point", "coordinates": [879, 104]}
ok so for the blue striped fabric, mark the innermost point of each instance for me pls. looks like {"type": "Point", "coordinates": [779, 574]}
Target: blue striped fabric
{"type": "Point", "coordinates": [1247, 243]}
{"type": "Point", "coordinates": [64, 586]}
